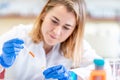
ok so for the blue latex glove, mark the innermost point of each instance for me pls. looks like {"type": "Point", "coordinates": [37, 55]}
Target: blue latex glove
{"type": "Point", "coordinates": [10, 49]}
{"type": "Point", "coordinates": [59, 72]}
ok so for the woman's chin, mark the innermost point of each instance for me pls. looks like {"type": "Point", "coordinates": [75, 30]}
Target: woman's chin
{"type": "Point", "coordinates": [51, 43]}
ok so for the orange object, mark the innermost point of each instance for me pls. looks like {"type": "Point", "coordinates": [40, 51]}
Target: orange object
{"type": "Point", "coordinates": [31, 54]}
{"type": "Point", "coordinates": [98, 75]}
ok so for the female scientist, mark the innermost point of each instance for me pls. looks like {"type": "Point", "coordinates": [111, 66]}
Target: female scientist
{"type": "Point", "coordinates": [56, 40]}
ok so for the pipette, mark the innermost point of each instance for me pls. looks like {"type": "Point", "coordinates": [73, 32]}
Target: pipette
{"type": "Point", "coordinates": [30, 52]}
{"type": "Point", "coordinates": [33, 55]}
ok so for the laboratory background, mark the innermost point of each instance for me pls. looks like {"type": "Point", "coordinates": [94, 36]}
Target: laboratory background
{"type": "Point", "coordinates": [102, 29]}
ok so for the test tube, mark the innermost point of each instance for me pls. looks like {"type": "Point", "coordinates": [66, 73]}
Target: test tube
{"type": "Point", "coordinates": [30, 52]}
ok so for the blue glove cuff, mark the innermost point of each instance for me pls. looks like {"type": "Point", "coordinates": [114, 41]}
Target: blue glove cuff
{"type": "Point", "coordinates": [4, 64]}
{"type": "Point", "coordinates": [73, 76]}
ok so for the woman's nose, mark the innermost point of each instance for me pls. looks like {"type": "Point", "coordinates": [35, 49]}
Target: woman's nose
{"type": "Point", "coordinates": [57, 30]}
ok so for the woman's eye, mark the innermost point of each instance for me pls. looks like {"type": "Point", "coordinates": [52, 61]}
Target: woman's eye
{"type": "Point", "coordinates": [55, 22]}
{"type": "Point", "coordinates": [66, 28]}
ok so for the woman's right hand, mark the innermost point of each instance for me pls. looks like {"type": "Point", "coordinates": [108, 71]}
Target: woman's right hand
{"type": "Point", "coordinates": [10, 49]}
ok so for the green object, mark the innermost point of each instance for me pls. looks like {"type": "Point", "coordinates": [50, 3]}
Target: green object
{"type": "Point", "coordinates": [99, 62]}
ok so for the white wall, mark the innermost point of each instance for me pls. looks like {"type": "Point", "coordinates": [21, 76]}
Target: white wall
{"type": "Point", "coordinates": [104, 38]}
{"type": "Point", "coordinates": [24, 7]}
{"type": "Point", "coordinates": [103, 8]}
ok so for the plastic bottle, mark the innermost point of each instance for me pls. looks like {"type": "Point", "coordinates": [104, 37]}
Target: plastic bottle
{"type": "Point", "coordinates": [98, 73]}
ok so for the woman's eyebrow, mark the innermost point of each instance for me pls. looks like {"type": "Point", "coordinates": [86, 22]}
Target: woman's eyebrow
{"type": "Point", "coordinates": [59, 20]}
{"type": "Point", "coordinates": [56, 18]}
{"type": "Point", "coordinates": [68, 25]}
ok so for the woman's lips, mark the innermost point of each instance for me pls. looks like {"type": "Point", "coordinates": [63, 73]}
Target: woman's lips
{"type": "Point", "coordinates": [53, 37]}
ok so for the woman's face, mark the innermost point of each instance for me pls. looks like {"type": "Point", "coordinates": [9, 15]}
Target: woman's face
{"type": "Point", "coordinates": [58, 24]}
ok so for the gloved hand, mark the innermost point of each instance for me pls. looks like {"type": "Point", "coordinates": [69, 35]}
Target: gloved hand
{"type": "Point", "coordinates": [10, 49]}
{"type": "Point", "coordinates": [59, 72]}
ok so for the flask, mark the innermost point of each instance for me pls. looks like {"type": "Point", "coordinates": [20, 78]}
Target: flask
{"type": "Point", "coordinates": [98, 73]}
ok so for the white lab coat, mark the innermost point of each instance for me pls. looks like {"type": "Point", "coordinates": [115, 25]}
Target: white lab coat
{"type": "Point", "coordinates": [28, 68]}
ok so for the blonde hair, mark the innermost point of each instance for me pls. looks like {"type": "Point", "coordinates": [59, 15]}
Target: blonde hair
{"type": "Point", "coordinates": [72, 47]}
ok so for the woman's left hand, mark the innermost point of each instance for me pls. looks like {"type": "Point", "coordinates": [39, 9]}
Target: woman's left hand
{"type": "Point", "coordinates": [59, 72]}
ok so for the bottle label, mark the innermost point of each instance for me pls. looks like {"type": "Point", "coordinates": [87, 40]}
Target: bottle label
{"type": "Point", "coordinates": [98, 78]}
